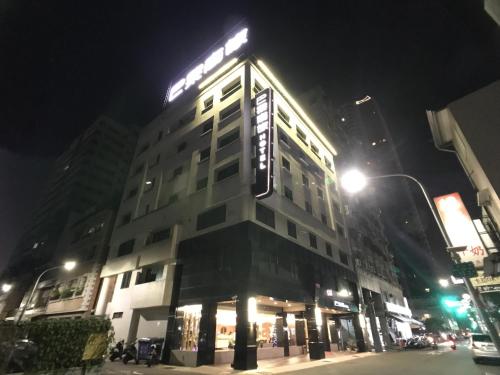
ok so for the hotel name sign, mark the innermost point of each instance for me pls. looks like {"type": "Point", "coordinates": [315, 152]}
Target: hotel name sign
{"type": "Point", "coordinates": [264, 125]}
{"type": "Point", "coordinates": [214, 59]}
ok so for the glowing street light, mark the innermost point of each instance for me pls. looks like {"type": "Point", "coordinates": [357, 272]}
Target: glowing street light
{"type": "Point", "coordinates": [444, 283]}
{"type": "Point", "coordinates": [6, 287]}
{"type": "Point", "coordinates": [353, 181]}
{"type": "Point", "coordinates": [68, 266]}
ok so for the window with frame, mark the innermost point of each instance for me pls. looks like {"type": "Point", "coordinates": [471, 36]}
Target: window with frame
{"type": "Point", "coordinates": [228, 138]}
{"type": "Point", "coordinates": [309, 207]}
{"type": "Point", "coordinates": [202, 183]}
{"type": "Point", "coordinates": [283, 137]}
{"type": "Point", "coordinates": [313, 241]}
{"type": "Point", "coordinates": [288, 193]}
{"type": "Point", "coordinates": [207, 126]}
{"type": "Point", "coordinates": [213, 216]}
{"type": "Point", "coordinates": [344, 257]}
{"type": "Point", "coordinates": [117, 315]}
{"type": "Point", "coordinates": [204, 154]}
{"type": "Point", "coordinates": [208, 104]}
{"type": "Point", "coordinates": [228, 112]}
{"type": "Point", "coordinates": [302, 136]}
{"type": "Point", "coordinates": [264, 215]}
{"type": "Point", "coordinates": [291, 228]}
{"type": "Point", "coordinates": [257, 87]}
{"type": "Point", "coordinates": [305, 180]}
{"type": "Point", "coordinates": [227, 171]}
{"type": "Point", "coordinates": [320, 193]}
{"type": "Point", "coordinates": [328, 164]}
{"type": "Point", "coordinates": [340, 229]}
{"type": "Point", "coordinates": [127, 276]}
{"type": "Point", "coordinates": [231, 88]}
{"type": "Point", "coordinates": [315, 149]}
{"type": "Point", "coordinates": [324, 219]}
{"type": "Point", "coordinates": [328, 248]}
{"type": "Point", "coordinates": [126, 247]}
{"type": "Point", "coordinates": [284, 117]}
{"type": "Point", "coordinates": [158, 235]}
{"type": "Point", "coordinates": [149, 274]}
{"type": "Point", "coordinates": [285, 163]}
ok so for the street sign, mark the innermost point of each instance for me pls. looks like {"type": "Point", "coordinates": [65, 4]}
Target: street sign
{"type": "Point", "coordinates": [465, 269]}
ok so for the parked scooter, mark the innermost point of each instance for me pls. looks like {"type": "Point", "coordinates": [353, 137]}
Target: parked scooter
{"type": "Point", "coordinates": [116, 351]}
{"type": "Point", "coordinates": [154, 355]}
{"type": "Point", "coordinates": [130, 353]}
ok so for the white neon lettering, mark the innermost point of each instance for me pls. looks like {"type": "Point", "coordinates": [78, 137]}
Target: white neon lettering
{"type": "Point", "coordinates": [213, 60]}
{"type": "Point", "coordinates": [193, 76]}
{"type": "Point", "coordinates": [261, 108]}
{"type": "Point", "coordinates": [176, 90]}
{"type": "Point", "coordinates": [236, 42]}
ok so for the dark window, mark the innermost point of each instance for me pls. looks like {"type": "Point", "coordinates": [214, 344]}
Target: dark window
{"type": "Point", "coordinates": [188, 117]}
{"type": "Point", "coordinates": [227, 171]}
{"type": "Point", "coordinates": [202, 183]}
{"type": "Point", "coordinates": [117, 315]}
{"type": "Point", "coordinates": [344, 258]}
{"type": "Point", "coordinates": [177, 172]}
{"type": "Point", "coordinates": [309, 207]}
{"type": "Point", "coordinates": [264, 215]}
{"type": "Point", "coordinates": [285, 163]}
{"type": "Point", "coordinates": [292, 229]}
{"type": "Point", "coordinates": [126, 280]}
{"type": "Point", "coordinates": [158, 235]}
{"type": "Point", "coordinates": [257, 87]}
{"type": "Point", "coordinates": [328, 164]}
{"type": "Point", "coordinates": [227, 112]}
{"type": "Point", "coordinates": [329, 251]}
{"type": "Point", "coordinates": [288, 193]}
{"type": "Point", "coordinates": [315, 149]}
{"type": "Point", "coordinates": [181, 147]}
{"type": "Point", "coordinates": [150, 184]}
{"type": "Point", "coordinates": [126, 218]}
{"type": "Point", "coordinates": [313, 241]}
{"type": "Point", "coordinates": [323, 219]}
{"type": "Point", "coordinates": [340, 229]}
{"type": "Point", "coordinates": [132, 193]}
{"type": "Point", "coordinates": [228, 138]}
{"type": "Point", "coordinates": [283, 137]}
{"type": "Point", "coordinates": [208, 104]}
{"type": "Point", "coordinates": [231, 88]}
{"type": "Point", "coordinates": [207, 126]}
{"type": "Point", "coordinates": [302, 136]}
{"type": "Point", "coordinates": [149, 274]}
{"type": "Point", "coordinates": [126, 247]}
{"type": "Point", "coordinates": [320, 193]}
{"type": "Point", "coordinates": [284, 117]}
{"type": "Point", "coordinates": [205, 154]}
{"type": "Point", "coordinates": [336, 207]}
{"type": "Point", "coordinates": [211, 217]}
{"type": "Point", "coordinates": [305, 181]}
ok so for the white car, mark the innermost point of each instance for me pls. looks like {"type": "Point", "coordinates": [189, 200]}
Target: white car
{"type": "Point", "coordinates": [482, 347]}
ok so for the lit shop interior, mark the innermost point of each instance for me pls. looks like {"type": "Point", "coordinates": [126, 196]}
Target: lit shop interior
{"type": "Point", "coordinates": [270, 327]}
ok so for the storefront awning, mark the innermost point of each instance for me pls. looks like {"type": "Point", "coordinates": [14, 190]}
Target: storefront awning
{"type": "Point", "coordinates": [404, 319]}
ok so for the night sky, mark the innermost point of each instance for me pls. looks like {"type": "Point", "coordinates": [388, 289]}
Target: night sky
{"type": "Point", "coordinates": [64, 63]}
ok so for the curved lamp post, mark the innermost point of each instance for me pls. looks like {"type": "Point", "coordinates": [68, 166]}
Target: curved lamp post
{"type": "Point", "coordinates": [354, 181]}
{"type": "Point", "coordinates": [68, 266]}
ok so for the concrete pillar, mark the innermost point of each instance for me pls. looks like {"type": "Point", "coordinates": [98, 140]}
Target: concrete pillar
{"type": "Point", "coordinates": [283, 341]}
{"type": "Point", "coordinates": [324, 331]}
{"type": "Point", "coordinates": [300, 331]}
{"type": "Point", "coordinates": [316, 345]}
{"type": "Point", "coordinates": [245, 348]}
{"type": "Point", "coordinates": [358, 332]}
{"type": "Point", "coordinates": [206, 337]}
{"type": "Point", "coordinates": [171, 337]}
{"type": "Point", "coordinates": [105, 295]}
{"type": "Point", "coordinates": [370, 312]}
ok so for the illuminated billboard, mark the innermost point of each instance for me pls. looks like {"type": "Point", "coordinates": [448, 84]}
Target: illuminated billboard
{"type": "Point", "coordinates": [460, 228]}
{"type": "Point", "coordinates": [264, 143]}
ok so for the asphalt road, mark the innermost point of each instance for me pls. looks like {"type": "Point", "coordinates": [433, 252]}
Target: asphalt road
{"type": "Point", "coordinates": [414, 362]}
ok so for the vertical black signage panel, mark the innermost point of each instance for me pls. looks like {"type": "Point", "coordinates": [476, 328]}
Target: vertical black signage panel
{"type": "Point", "coordinates": [264, 124]}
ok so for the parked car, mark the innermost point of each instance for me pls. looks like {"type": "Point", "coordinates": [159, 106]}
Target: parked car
{"type": "Point", "coordinates": [482, 348]}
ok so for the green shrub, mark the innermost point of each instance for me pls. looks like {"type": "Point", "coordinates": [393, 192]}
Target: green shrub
{"type": "Point", "coordinates": [60, 342]}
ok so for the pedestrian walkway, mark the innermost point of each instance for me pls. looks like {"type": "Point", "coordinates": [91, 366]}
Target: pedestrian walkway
{"type": "Point", "coordinates": [267, 366]}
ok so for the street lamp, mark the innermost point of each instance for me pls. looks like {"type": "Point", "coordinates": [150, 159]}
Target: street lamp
{"type": "Point", "coordinates": [68, 266]}
{"type": "Point", "coordinates": [444, 283]}
{"type": "Point", "coordinates": [354, 181]}
{"type": "Point", "coordinates": [6, 287]}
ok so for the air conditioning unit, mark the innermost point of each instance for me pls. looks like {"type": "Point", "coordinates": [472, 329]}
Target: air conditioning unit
{"type": "Point", "coordinates": [483, 198]}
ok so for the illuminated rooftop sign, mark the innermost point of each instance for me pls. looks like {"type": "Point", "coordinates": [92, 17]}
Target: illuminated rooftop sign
{"type": "Point", "coordinates": [213, 60]}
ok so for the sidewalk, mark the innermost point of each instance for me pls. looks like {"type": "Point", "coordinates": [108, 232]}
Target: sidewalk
{"type": "Point", "coordinates": [267, 366]}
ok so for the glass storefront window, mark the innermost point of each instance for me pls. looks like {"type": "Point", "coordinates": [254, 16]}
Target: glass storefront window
{"type": "Point", "coordinates": [189, 324]}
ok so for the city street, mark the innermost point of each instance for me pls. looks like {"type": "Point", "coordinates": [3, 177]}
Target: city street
{"type": "Point", "coordinates": [428, 362]}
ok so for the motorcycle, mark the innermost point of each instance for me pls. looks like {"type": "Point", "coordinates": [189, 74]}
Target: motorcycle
{"type": "Point", "coordinates": [130, 353]}
{"type": "Point", "coordinates": [154, 355]}
{"type": "Point", "coordinates": [117, 351]}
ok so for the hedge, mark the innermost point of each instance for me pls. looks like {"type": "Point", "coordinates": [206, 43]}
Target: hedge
{"type": "Point", "coordinates": [60, 343]}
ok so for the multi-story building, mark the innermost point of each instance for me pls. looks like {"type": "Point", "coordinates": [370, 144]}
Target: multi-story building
{"type": "Point", "coordinates": [371, 250]}
{"type": "Point", "coordinates": [89, 175]}
{"type": "Point", "coordinates": [227, 236]}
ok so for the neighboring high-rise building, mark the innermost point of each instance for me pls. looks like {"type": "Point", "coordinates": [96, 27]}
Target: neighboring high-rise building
{"type": "Point", "coordinates": [373, 150]}
{"type": "Point", "coordinates": [89, 175]}
{"type": "Point", "coordinates": [227, 235]}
